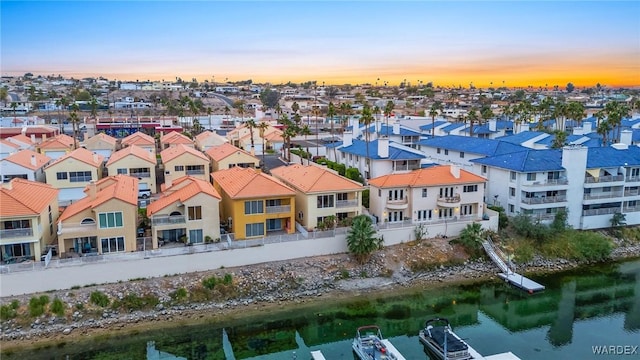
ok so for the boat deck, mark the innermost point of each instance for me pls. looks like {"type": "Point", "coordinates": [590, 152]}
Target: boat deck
{"type": "Point", "coordinates": [521, 282]}
{"type": "Point", "coordinates": [317, 355]}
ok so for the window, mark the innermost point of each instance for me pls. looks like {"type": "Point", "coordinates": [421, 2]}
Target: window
{"type": "Point", "coordinates": [195, 169]}
{"type": "Point", "coordinates": [256, 229]}
{"type": "Point", "coordinates": [513, 175]}
{"type": "Point", "coordinates": [253, 207]}
{"type": "Point", "coordinates": [357, 158]}
{"type": "Point", "coordinates": [553, 175]}
{"type": "Point", "coordinates": [342, 196]}
{"type": "Point", "coordinates": [110, 219]}
{"type": "Point", "coordinates": [606, 189]}
{"type": "Point", "coordinates": [438, 151]}
{"type": "Point", "coordinates": [466, 209]}
{"type": "Point", "coordinates": [446, 151]}
{"type": "Point", "coordinates": [379, 192]}
{"type": "Point", "coordinates": [140, 172]}
{"type": "Point", "coordinates": [531, 176]}
{"type": "Point", "coordinates": [396, 194]}
{"type": "Point", "coordinates": [179, 168]}
{"type": "Point", "coordinates": [79, 176]}
{"type": "Point", "coordinates": [195, 236]}
{"type": "Point", "coordinates": [274, 202]}
{"type": "Point", "coordinates": [61, 176]}
{"type": "Point", "coordinates": [122, 171]}
{"type": "Point", "coordinates": [511, 208]}
{"type": "Point", "coordinates": [395, 216]}
{"type": "Point", "coordinates": [113, 244]}
{"type": "Point", "coordinates": [424, 215]}
{"type": "Point", "coordinates": [195, 212]}
{"type": "Point", "coordinates": [512, 192]}
{"type": "Point", "coordinates": [484, 169]}
{"type": "Point", "coordinates": [424, 193]}
{"type": "Point", "coordinates": [325, 201]}
{"type": "Point", "coordinates": [462, 154]}
{"type": "Point", "coordinates": [470, 188]}
{"type": "Point", "coordinates": [274, 224]}
{"type": "Point", "coordinates": [7, 178]}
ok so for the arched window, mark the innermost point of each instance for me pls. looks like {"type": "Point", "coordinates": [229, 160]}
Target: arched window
{"type": "Point", "coordinates": [175, 213]}
{"type": "Point", "coordinates": [88, 221]}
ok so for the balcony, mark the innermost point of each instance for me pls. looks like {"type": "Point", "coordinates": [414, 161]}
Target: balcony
{"type": "Point", "coordinates": [160, 220]}
{"type": "Point", "coordinates": [398, 203]}
{"type": "Point", "coordinates": [627, 209]}
{"type": "Point", "coordinates": [15, 233]}
{"type": "Point", "coordinates": [67, 228]}
{"type": "Point", "coordinates": [544, 199]}
{"type": "Point", "coordinates": [547, 183]}
{"type": "Point", "coordinates": [195, 172]}
{"type": "Point", "coordinates": [603, 179]}
{"type": "Point", "coordinates": [346, 203]}
{"type": "Point", "coordinates": [631, 192]}
{"type": "Point", "coordinates": [606, 211]}
{"type": "Point", "coordinates": [278, 209]}
{"type": "Point", "coordinates": [449, 202]}
{"type": "Point", "coordinates": [633, 179]}
{"type": "Point", "coordinates": [140, 174]}
{"type": "Point", "coordinates": [607, 195]}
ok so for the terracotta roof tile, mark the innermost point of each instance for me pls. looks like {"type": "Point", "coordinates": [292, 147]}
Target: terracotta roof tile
{"type": "Point", "coordinates": [104, 137]}
{"type": "Point", "coordinates": [203, 136]}
{"type": "Point", "coordinates": [9, 143]}
{"type": "Point", "coordinates": [220, 152]}
{"type": "Point", "coordinates": [175, 137]}
{"type": "Point", "coordinates": [21, 138]}
{"type": "Point", "coordinates": [132, 150]}
{"type": "Point", "coordinates": [182, 189]}
{"type": "Point", "coordinates": [138, 138]}
{"type": "Point", "coordinates": [309, 179]}
{"type": "Point", "coordinates": [83, 155]}
{"type": "Point", "coordinates": [432, 176]}
{"type": "Point", "coordinates": [241, 183]}
{"type": "Point", "coordinates": [121, 187]}
{"type": "Point", "coordinates": [59, 142]}
{"type": "Point", "coordinates": [173, 152]}
{"type": "Point", "coordinates": [23, 158]}
{"type": "Point", "coordinates": [23, 197]}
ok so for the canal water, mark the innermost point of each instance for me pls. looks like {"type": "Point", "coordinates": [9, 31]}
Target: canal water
{"type": "Point", "coordinates": [579, 310]}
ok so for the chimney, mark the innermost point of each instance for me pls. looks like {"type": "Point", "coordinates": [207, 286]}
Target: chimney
{"type": "Point", "coordinates": [347, 138]}
{"type": "Point", "coordinates": [167, 179]}
{"type": "Point", "coordinates": [33, 138]}
{"type": "Point", "coordinates": [356, 128]}
{"type": "Point", "coordinates": [493, 125]}
{"type": "Point", "coordinates": [455, 171]}
{"type": "Point", "coordinates": [33, 160]}
{"type": "Point", "coordinates": [587, 127]}
{"type": "Point", "coordinates": [524, 127]}
{"type": "Point", "coordinates": [92, 190]}
{"type": "Point", "coordinates": [44, 137]}
{"type": "Point", "coordinates": [383, 147]}
{"type": "Point", "coordinates": [626, 136]}
{"type": "Point", "coordinates": [396, 128]}
{"type": "Point", "coordinates": [96, 158]}
{"type": "Point", "coordinates": [23, 131]}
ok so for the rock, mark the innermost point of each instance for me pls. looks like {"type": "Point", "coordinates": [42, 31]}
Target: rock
{"type": "Point", "coordinates": [160, 307]}
{"type": "Point", "coordinates": [66, 331]}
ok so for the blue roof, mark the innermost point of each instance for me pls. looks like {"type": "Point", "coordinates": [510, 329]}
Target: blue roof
{"type": "Point", "coordinates": [474, 145]}
{"type": "Point", "coordinates": [526, 161]}
{"type": "Point", "coordinates": [521, 137]}
{"type": "Point", "coordinates": [396, 151]}
{"type": "Point", "coordinates": [436, 124]}
{"type": "Point", "coordinates": [599, 157]}
{"type": "Point", "coordinates": [404, 131]}
{"type": "Point", "coordinates": [453, 126]}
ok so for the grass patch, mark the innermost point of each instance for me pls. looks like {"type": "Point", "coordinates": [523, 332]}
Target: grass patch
{"type": "Point", "coordinates": [133, 302]}
{"type": "Point", "coordinates": [99, 298]}
{"type": "Point", "coordinates": [57, 307]}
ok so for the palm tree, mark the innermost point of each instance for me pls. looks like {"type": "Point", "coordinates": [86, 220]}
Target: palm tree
{"type": "Point", "coordinates": [433, 112]}
{"type": "Point", "coordinates": [575, 111]}
{"type": "Point", "coordinates": [346, 111]}
{"type": "Point", "coordinates": [251, 125]}
{"type": "Point", "coordinates": [73, 117]}
{"type": "Point", "coordinates": [388, 110]}
{"type": "Point", "coordinates": [239, 105]}
{"type": "Point", "coordinates": [559, 140]}
{"type": "Point", "coordinates": [472, 116]}
{"type": "Point", "coordinates": [14, 107]}
{"type": "Point", "coordinates": [262, 127]}
{"type": "Point", "coordinates": [3, 95]}
{"type": "Point", "coordinates": [331, 112]}
{"type": "Point", "coordinates": [361, 239]}
{"type": "Point", "coordinates": [560, 114]}
{"type": "Point", "coordinates": [604, 127]}
{"type": "Point", "coordinates": [367, 119]}
{"type": "Point", "coordinates": [471, 238]}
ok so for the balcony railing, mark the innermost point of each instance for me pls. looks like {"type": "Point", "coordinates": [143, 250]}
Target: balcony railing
{"type": "Point", "coordinates": [544, 199]}
{"type": "Point", "coordinates": [452, 199]}
{"type": "Point", "coordinates": [633, 179]}
{"type": "Point", "coordinates": [403, 200]}
{"type": "Point", "coordinates": [601, 179]}
{"type": "Point", "coordinates": [15, 233]}
{"type": "Point", "coordinates": [606, 195]}
{"type": "Point", "coordinates": [549, 182]}
{"type": "Point", "coordinates": [346, 203]}
{"type": "Point", "coordinates": [66, 228]}
{"type": "Point", "coordinates": [140, 174]}
{"type": "Point", "coordinates": [278, 209]}
{"type": "Point", "coordinates": [631, 208]}
{"type": "Point", "coordinates": [631, 192]}
{"type": "Point", "coordinates": [606, 211]}
{"type": "Point", "coordinates": [195, 172]}
{"type": "Point", "coordinates": [168, 220]}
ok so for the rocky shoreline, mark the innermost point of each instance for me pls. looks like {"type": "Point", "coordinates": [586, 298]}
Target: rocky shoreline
{"type": "Point", "coordinates": [262, 286]}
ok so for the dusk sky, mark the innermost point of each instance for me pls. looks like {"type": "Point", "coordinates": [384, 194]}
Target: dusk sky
{"type": "Point", "coordinates": [449, 43]}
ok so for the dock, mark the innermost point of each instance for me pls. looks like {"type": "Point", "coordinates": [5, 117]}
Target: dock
{"type": "Point", "coordinates": [508, 273]}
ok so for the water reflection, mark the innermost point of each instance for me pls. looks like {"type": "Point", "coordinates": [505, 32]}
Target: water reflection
{"type": "Point", "coordinates": [483, 312]}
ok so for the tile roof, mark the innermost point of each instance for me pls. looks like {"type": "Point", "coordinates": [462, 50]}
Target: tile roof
{"type": "Point", "coordinates": [104, 137]}
{"type": "Point", "coordinates": [21, 138]}
{"type": "Point", "coordinates": [138, 138]}
{"type": "Point", "coordinates": [436, 124]}
{"type": "Point", "coordinates": [203, 136]}
{"type": "Point", "coordinates": [24, 198]}
{"type": "Point", "coordinates": [453, 126]}
{"type": "Point", "coordinates": [23, 158]}
{"type": "Point", "coordinates": [396, 151]}
{"type": "Point", "coordinates": [181, 190]}
{"type": "Point", "coordinates": [404, 131]}
{"type": "Point", "coordinates": [133, 150]}
{"type": "Point", "coordinates": [431, 176]}
{"type": "Point", "coordinates": [220, 152]}
{"type": "Point", "coordinates": [83, 155]}
{"type": "Point", "coordinates": [121, 187]}
{"type": "Point", "coordinates": [240, 183]}
{"type": "Point", "coordinates": [524, 136]}
{"type": "Point", "coordinates": [526, 161]}
{"type": "Point", "coordinates": [474, 145]}
{"type": "Point", "coordinates": [599, 157]}
{"type": "Point", "coordinates": [175, 137]}
{"type": "Point", "coordinates": [61, 141]}
{"type": "Point", "coordinates": [173, 152]}
{"type": "Point", "coordinates": [310, 178]}
{"type": "Point", "coordinates": [9, 144]}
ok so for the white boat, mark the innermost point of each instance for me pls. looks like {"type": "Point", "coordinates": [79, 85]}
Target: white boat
{"type": "Point", "coordinates": [370, 345]}
{"type": "Point", "coordinates": [442, 341]}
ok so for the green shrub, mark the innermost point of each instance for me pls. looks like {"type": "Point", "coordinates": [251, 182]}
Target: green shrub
{"type": "Point", "coordinates": [210, 282]}
{"type": "Point", "coordinates": [15, 304]}
{"type": "Point", "coordinates": [523, 226]}
{"type": "Point", "coordinates": [44, 300]}
{"type": "Point", "coordinates": [36, 307]}
{"type": "Point", "coordinates": [99, 298]}
{"type": "Point", "coordinates": [365, 198]}
{"type": "Point", "coordinates": [79, 306]}
{"type": "Point", "coordinates": [354, 174]}
{"type": "Point", "coordinates": [228, 279]}
{"type": "Point", "coordinates": [134, 302]}
{"type": "Point", "coordinates": [179, 295]}
{"type": "Point", "coordinates": [57, 307]}
{"type": "Point", "coordinates": [591, 246]}
{"type": "Point", "coordinates": [524, 252]}
{"type": "Point", "coordinates": [503, 219]}
{"type": "Point", "coordinates": [7, 312]}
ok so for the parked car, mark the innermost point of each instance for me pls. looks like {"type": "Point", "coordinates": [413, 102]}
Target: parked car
{"type": "Point", "coordinates": [144, 193]}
